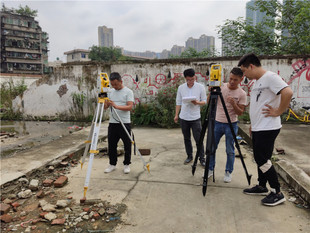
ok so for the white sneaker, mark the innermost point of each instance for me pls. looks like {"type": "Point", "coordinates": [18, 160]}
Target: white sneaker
{"type": "Point", "coordinates": [210, 173]}
{"type": "Point", "coordinates": [109, 169]}
{"type": "Point", "coordinates": [227, 177]}
{"type": "Point", "coordinates": [126, 169]}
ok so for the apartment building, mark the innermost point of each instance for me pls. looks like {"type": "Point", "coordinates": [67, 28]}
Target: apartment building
{"type": "Point", "coordinates": [204, 42]}
{"type": "Point", "coordinates": [105, 36]}
{"type": "Point", "coordinates": [24, 46]}
{"type": "Point", "coordinates": [255, 17]}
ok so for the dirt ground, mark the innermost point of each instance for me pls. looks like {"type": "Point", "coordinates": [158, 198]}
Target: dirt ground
{"type": "Point", "coordinates": [22, 135]}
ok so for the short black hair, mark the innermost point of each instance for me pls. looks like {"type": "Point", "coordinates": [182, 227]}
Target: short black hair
{"type": "Point", "coordinates": [248, 59]}
{"type": "Point", "coordinates": [189, 73]}
{"type": "Point", "coordinates": [115, 76]}
{"type": "Point", "coordinates": [237, 71]}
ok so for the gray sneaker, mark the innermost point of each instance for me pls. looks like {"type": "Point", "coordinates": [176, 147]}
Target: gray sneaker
{"type": "Point", "coordinates": [210, 173]}
{"type": "Point", "coordinates": [227, 177]}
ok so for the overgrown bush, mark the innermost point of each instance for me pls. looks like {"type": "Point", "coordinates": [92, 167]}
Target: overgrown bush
{"type": "Point", "coordinates": [9, 91]}
{"type": "Point", "coordinates": [160, 112]}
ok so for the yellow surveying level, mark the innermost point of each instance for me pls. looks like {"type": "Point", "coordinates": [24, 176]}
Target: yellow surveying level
{"type": "Point", "coordinates": [216, 76]}
{"type": "Point", "coordinates": [103, 85]}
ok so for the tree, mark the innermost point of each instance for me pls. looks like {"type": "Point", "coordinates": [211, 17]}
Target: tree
{"type": "Point", "coordinates": [98, 53]}
{"type": "Point", "coordinates": [27, 11]}
{"type": "Point", "coordinates": [291, 34]}
{"type": "Point", "coordinates": [240, 37]}
{"type": "Point", "coordinates": [192, 53]}
{"type": "Point", "coordinates": [293, 23]}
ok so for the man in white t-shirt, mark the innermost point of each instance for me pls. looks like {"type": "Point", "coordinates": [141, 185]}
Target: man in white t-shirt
{"type": "Point", "coordinates": [121, 99]}
{"type": "Point", "coordinates": [190, 96]}
{"type": "Point", "coordinates": [235, 101]}
{"type": "Point", "coordinates": [270, 97]}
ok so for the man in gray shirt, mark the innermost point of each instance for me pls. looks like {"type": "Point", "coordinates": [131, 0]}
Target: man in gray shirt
{"type": "Point", "coordinates": [190, 96]}
{"type": "Point", "coordinates": [121, 99]}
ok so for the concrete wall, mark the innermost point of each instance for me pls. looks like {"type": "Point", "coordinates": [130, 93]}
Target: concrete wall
{"type": "Point", "coordinates": [53, 96]}
{"type": "Point", "coordinates": [18, 78]}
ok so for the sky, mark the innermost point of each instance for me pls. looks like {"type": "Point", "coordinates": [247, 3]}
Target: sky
{"type": "Point", "coordinates": [137, 25]}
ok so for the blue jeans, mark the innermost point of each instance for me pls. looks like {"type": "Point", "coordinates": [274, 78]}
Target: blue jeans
{"type": "Point", "coordinates": [219, 130]}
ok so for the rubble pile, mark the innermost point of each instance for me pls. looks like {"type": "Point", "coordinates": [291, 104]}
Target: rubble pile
{"type": "Point", "coordinates": [38, 204]}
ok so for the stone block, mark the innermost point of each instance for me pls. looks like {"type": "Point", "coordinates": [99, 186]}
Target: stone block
{"type": "Point", "coordinates": [4, 208]}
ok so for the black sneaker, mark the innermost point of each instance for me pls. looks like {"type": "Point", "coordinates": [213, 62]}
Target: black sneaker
{"type": "Point", "coordinates": [273, 199]}
{"type": "Point", "coordinates": [256, 190]}
{"type": "Point", "coordinates": [202, 162]}
{"type": "Point", "coordinates": [188, 160]}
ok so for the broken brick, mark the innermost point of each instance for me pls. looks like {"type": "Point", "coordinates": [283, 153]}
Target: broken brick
{"type": "Point", "coordinates": [96, 216]}
{"type": "Point", "coordinates": [42, 214]}
{"type": "Point", "coordinates": [59, 221]}
{"type": "Point", "coordinates": [15, 204]}
{"type": "Point", "coordinates": [61, 181]}
{"type": "Point", "coordinates": [47, 183]}
{"type": "Point", "coordinates": [4, 208]}
{"type": "Point", "coordinates": [86, 209]}
{"type": "Point", "coordinates": [82, 200]}
{"type": "Point", "coordinates": [6, 218]}
{"type": "Point", "coordinates": [40, 194]}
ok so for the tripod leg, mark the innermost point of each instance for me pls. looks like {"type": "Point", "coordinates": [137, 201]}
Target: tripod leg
{"type": "Point", "coordinates": [210, 140]}
{"type": "Point", "coordinates": [94, 141]}
{"type": "Point", "coordinates": [88, 142]}
{"type": "Point", "coordinates": [145, 165]}
{"type": "Point", "coordinates": [202, 135]}
{"type": "Point", "coordinates": [235, 139]}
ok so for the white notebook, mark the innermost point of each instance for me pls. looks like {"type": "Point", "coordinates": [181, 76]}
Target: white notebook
{"type": "Point", "coordinates": [188, 99]}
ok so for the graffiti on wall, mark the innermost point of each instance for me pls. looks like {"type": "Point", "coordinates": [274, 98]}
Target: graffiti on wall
{"type": "Point", "coordinates": [299, 80]}
{"type": "Point", "coordinates": [148, 87]}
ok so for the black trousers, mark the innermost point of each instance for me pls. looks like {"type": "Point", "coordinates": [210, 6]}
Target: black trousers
{"type": "Point", "coordinates": [263, 145]}
{"type": "Point", "coordinates": [115, 133]}
{"type": "Point", "coordinates": [196, 127]}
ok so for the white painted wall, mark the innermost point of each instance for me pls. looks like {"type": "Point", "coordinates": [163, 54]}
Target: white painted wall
{"type": "Point", "coordinates": [44, 99]}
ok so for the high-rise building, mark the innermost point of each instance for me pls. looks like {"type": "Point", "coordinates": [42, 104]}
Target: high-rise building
{"type": "Point", "coordinates": [204, 42]}
{"type": "Point", "coordinates": [176, 50]}
{"type": "Point", "coordinates": [105, 36]}
{"type": "Point", "coordinates": [254, 17]}
{"type": "Point", "coordinates": [228, 45]}
{"type": "Point", "coordinates": [24, 46]}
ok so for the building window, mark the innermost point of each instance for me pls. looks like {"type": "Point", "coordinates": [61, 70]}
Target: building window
{"type": "Point", "coordinates": [83, 55]}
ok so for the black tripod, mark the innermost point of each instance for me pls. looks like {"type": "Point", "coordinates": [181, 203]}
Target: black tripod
{"type": "Point", "coordinates": [209, 122]}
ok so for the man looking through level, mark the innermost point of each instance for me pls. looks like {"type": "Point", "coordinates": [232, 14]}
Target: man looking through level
{"type": "Point", "coordinates": [121, 99]}
{"type": "Point", "coordinates": [190, 96]}
{"type": "Point", "coordinates": [235, 101]}
{"type": "Point", "coordinates": [270, 96]}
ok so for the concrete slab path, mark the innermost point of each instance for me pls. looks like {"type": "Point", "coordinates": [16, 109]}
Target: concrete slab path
{"type": "Point", "coordinates": [169, 198]}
